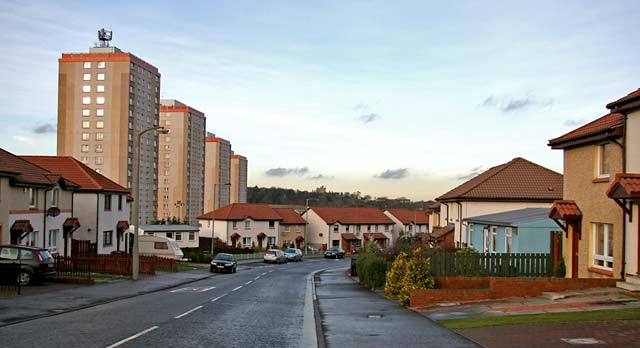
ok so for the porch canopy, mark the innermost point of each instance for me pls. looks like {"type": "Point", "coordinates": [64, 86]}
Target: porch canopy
{"type": "Point", "coordinates": [440, 232]}
{"type": "Point", "coordinates": [261, 235]}
{"type": "Point", "coordinates": [69, 226]}
{"type": "Point", "coordinates": [349, 236]}
{"type": "Point", "coordinates": [234, 236]}
{"type": "Point", "coordinates": [19, 230]}
{"type": "Point", "coordinates": [567, 211]}
{"type": "Point", "coordinates": [375, 236]}
{"type": "Point", "coordinates": [626, 187]}
{"type": "Point", "coordinates": [299, 238]}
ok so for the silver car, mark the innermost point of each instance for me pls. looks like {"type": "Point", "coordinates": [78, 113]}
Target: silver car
{"type": "Point", "coordinates": [293, 254]}
{"type": "Point", "coordinates": [275, 256]}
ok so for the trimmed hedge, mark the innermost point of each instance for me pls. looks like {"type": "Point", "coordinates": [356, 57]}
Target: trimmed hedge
{"type": "Point", "coordinates": [372, 270]}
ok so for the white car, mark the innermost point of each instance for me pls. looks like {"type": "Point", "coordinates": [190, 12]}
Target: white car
{"type": "Point", "coordinates": [275, 256]}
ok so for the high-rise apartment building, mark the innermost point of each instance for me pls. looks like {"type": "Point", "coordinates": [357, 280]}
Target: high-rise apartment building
{"type": "Point", "coordinates": [217, 175]}
{"type": "Point", "coordinates": [238, 179]}
{"type": "Point", "coordinates": [181, 162]}
{"type": "Point", "coordinates": [106, 97]}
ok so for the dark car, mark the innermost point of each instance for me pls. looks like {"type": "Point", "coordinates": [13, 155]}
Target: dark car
{"type": "Point", "coordinates": [334, 252]}
{"type": "Point", "coordinates": [293, 254]}
{"type": "Point", "coordinates": [28, 264]}
{"type": "Point", "coordinates": [224, 262]}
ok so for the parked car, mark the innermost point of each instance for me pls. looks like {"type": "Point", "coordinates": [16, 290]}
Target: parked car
{"type": "Point", "coordinates": [224, 262]}
{"type": "Point", "coordinates": [275, 256]}
{"type": "Point", "coordinates": [29, 264]}
{"type": "Point", "coordinates": [335, 253]}
{"type": "Point", "coordinates": [293, 254]}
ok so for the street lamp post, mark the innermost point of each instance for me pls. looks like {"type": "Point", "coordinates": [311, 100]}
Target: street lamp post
{"type": "Point", "coordinates": [213, 214]}
{"type": "Point", "coordinates": [136, 206]}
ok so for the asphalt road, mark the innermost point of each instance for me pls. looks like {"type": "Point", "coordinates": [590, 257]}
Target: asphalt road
{"type": "Point", "coordinates": [259, 306]}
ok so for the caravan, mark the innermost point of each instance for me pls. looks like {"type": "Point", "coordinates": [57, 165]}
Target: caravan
{"type": "Point", "coordinates": [159, 246]}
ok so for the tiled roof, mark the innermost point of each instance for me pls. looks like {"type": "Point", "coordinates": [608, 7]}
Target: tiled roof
{"type": "Point", "coordinates": [241, 211]}
{"type": "Point", "coordinates": [289, 216]}
{"type": "Point", "coordinates": [440, 232]}
{"type": "Point", "coordinates": [407, 216]}
{"type": "Point", "coordinates": [76, 171]}
{"type": "Point", "coordinates": [509, 217]}
{"type": "Point", "coordinates": [516, 180]}
{"type": "Point", "coordinates": [23, 171]}
{"type": "Point", "coordinates": [605, 124]}
{"type": "Point", "coordinates": [354, 216]}
{"type": "Point", "coordinates": [628, 98]}
{"type": "Point", "coordinates": [625, 186]}
{"type": "Point", "coordinates": [565, 210]}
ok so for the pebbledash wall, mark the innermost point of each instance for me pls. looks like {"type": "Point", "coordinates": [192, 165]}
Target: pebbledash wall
{"type": "Point", "coordinates": [472, 289]}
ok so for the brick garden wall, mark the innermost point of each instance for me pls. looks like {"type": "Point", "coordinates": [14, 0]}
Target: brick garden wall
{"type": "Point", "coordinates": [467, 289]}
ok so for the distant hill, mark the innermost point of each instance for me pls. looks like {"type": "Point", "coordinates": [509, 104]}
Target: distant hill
{"type": "Point", "coordinates": [282, 196]}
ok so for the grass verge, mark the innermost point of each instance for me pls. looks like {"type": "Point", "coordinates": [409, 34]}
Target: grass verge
{"type": "Point", "coordinates": [468, 323]}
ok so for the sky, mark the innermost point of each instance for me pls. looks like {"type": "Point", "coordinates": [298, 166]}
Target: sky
{"type": "Point", "coordinates": [389, 98]}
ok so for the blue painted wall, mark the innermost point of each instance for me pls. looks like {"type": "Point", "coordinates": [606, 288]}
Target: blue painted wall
{"type": "Point", "coordinates": [529, 237]}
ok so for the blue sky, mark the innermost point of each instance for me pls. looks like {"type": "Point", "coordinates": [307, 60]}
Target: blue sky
{"type": "Point", "coordinates": [390, 98]}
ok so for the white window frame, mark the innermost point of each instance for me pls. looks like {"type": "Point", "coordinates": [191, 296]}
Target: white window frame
{"type": "Point", "coordinates": [100, 88]}
{"type": "Point", "coordinates": [32, 197]}
{"type": "Point", "coordinates": [86, 112]}
{"type": "Point", "coordinates": [485, 239]}
{"type": "Point", "coordinates": [603, 149]}
{"type": "Point", "coordinates": [508, 240]}
{"type": "Point", "coordinates": [55, 195]}
{"type": "Point", "coordinates": [100, 100]}
{"type": "Point", "coordinates": [102, 65]}
{"type": "Point", "coordinates": [101, 77]}
{"type": "Point", "coordinates": [247, 224]}
{"type": "Point", "coordinates": [52, 242]}
{"type": "Point", "coordinates": [87, 65]}
{"type": "Point", "coordinates": [86, 88]}
{"type": "Point", "coordinates": [494, 239]}
{"type": "Point", "coordinates": [286, 229]}
{"type": "Point", "coordinates": [86, 77]}
{"type": "Point", "coordinates": [246, 242]}
{"type": "Point", "coordinates": [604, 258]}
{"type": "Point", "coordinates": [86, 100]}
{"type": "Point", "coordinates": [470, 242]}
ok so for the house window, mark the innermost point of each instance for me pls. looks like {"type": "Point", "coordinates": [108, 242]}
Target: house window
{"type": "Point", "coordinates": [85, 136]}
{"type": "Point", "coordinates": [87, 65]}
{"type": "Point", "coordinates": [246, 242]}
{"type": "Point", "coordinates": [386, 228]}
{"type": "Point", "coordinates": [169, 234]}
{"type": "Point", "coordinates": [234, 225]}
{"type": "Point", "coordinates": [84, 148]}
{"type": "Point", "coordinates": [52, 242]}
{"type": "Point", "coordinates": [86, 77]}
{"type": "Point", "coordinates": [54, 197]}
{"type": "Point", "coordinates": [99, 148]}
{"type": "Point", "coordinates": [603, 166]}
{"type": "Point", "coordinates": [100, 77]}
{"type": "Point", "coordinates": [32, 197]}
{"type": "Point", "coordinates": [508, 239]}
{"type": "Point", "coordinates": [485, 239]}
{"type": "Point", "coordinates": [192, 236]}
{"type": "Point", "coordinates": [494, 239]}
{"type": "Point", "coordinates": [271, 240]}
{"type": "Point", "coordinates": [247, 224]}
{"type": "Point", "coordinates": [335, 228]}
{"type": "Point", "coordinates": [99, 136]}
{"type": "Point", "coordinates": [368, 228]}
{"type": "Point", "coordinates": [358, 227]}
{"type": "Point", "coordinates": [376, 228]}
{"type": "Point", "coordinates": [107, 238]}
{"type": "Point", "coordinates": [100, 124]}
{"type": "Point", "coordinates": [86, 124]}
{"type": "Point", "coordinates": [409, 227]}
{"type": "Point", "coordinates": [86, 112]}
{"type": "Point", "coordinates": [346, 228]}
{"type": "Point", "coordinates": [470, 235]}
{"type": "Point", "coordinates": [107, 202]}
{"type": "Point", "coordinates": [86, 100]}
{"type": "Point", "coordinates": [100, 100]}
{"type": "Point", "coordinates": [86, 88]}
{"type": "Point", "coordinates": [120, 201]}
{"type": "Point", "coordinates": [603, 245]}
{"type": "Point", "coordinates": [298, 228]}
{"type": "Point", "coordinates": [101, 65]}
{"type": "Point", "coordinates": [178, 236]}
{"type": "Point", "coordinates": [286, 229]}
{"type": "Point", "coordinates": [100, 112]}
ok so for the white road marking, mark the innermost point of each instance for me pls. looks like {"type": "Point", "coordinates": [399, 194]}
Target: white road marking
{"type": "Point", "coordinates": [238, 288]}
{"type": "Point", "coordinates": [271, 270]}
{"type": "Point", "coordinates": [132, 337]}
{"type": "Point", "coordinates": [256, 278]}
{"type": "Point", "coordinates": [265, 273]}
{"type": "Point", "coordinates": [219, 297]}
{"type": "Point", "coordinates": [187, 312]}
{"type": "Point", "coordinates": [249, 282]}
{"type": "Point", "coordinates": [207, 289]}
{"type": "Point", "coordinates": [190, 289]}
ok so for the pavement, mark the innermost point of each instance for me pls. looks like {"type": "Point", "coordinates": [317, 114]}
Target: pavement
{"type": "Point", "coordinates": [351, 315]}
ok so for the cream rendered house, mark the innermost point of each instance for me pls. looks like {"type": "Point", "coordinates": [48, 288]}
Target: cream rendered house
{"type": "Point", "coordinates": [517, 184]}
{"type": "Point", "coordinates": [245, 224]}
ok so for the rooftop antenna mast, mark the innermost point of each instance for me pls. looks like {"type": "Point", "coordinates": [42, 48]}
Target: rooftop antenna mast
{"type": "Point", "coordinates": [104, 36]}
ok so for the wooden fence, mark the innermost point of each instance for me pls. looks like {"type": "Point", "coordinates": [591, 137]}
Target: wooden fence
{"type": "Point", "coordinates": [495, 265]}
{"type": "Point", "coordinates": [81, 267]}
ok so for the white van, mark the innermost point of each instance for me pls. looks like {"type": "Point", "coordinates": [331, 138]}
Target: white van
{"type": "Point", "coordinates": [160, 246]}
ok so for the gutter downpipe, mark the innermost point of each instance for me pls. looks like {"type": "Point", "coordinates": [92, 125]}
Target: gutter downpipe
{"type": "Point", "coordinates": [460, 223]}
{"type": "Point", "coordinates": [624, 222]}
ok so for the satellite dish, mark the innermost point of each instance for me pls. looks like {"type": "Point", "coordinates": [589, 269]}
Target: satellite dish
{"type": "Point", "coordinates": [53, 212]}
{"type": "Point", "coordinates": [105, 36]}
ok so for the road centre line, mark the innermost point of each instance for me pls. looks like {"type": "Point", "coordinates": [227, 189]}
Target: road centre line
{"type": "Point", "coordinates": [187, 312]}
{"type": "Point", "coordinates": [265, 273]}
{"type": "Point", "coordinates": [249, 282]}
{"type": "Point", "coordinates": [238, 288]}
{"type": "Point", "coordinates": [133, 337]}
{"type": "Point", "coordinates": [219, 297]}
{"type": "Point", "coordinates": [256, 278]}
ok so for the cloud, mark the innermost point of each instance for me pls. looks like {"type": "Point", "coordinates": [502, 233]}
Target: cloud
{"type": "Point", "coordinates": [361, 107]}
{"type": "Point", "coordinates": [23, 139]}
{"type": "Point", "coordinates": [287, 171]}
{"type": "Point", "coordinates": [575, 123]}
{"type": "Point", "coordinates": [471, 174]}
{"type": "Point", "coordinates": [509, 104]}
{"type": "Point", "coordinates": [368, 118]}
{"type": "Point", "coordinates": [320, 177]}
{"type": "Point", "coordinates": [44, 128]}
{"type": "Point", "coordinates": [393, 174]}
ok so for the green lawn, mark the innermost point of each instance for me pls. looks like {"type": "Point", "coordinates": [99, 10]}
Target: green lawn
{"type": "Point", "coordinates": [618, 314]}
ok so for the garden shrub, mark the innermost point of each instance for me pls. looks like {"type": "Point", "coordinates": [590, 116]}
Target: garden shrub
{"type": "Point", "coordinates": [409, 274]}
{"type": "Point", "coordinates": [372, 269]}
{"type": "Point", "coordinates": [560, 269]}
